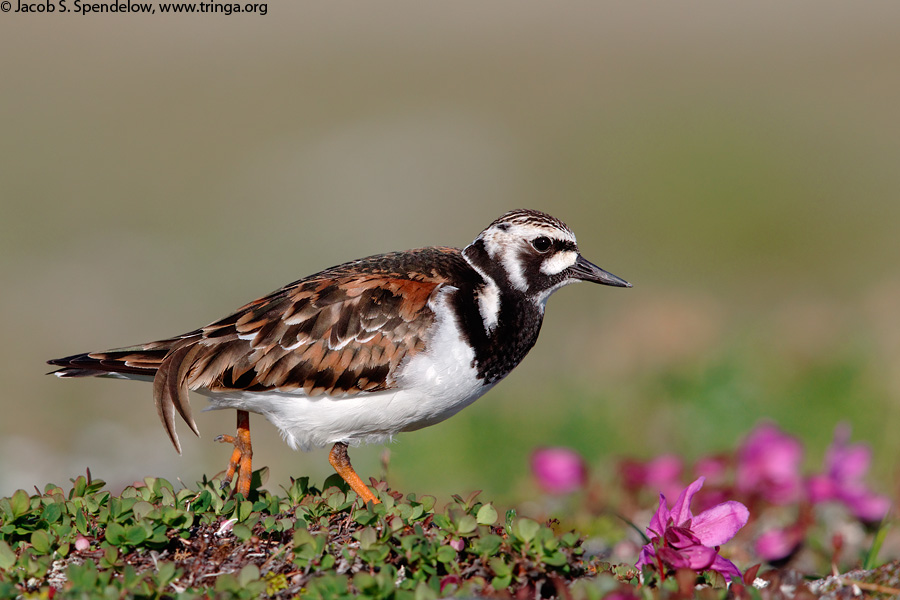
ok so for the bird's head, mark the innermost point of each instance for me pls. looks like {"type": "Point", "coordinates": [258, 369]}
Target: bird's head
{"type": "Point", "coordinates": [533, 253]}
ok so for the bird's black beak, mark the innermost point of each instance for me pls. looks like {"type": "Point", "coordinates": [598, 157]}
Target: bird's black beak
{"type": "Point", "coordinates": [585, 270]}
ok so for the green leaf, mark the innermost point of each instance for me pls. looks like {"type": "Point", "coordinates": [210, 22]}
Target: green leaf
{"type": "Point", "coordinates": [877, 542]}
{"type": "Point", "coordinates": [487, 515]}
{"type": "Point", "coordinates": [327, 562]}
{"type": "Point", "coordinates": [427, 503]}
{"type": "Point", "coordinates": [446, 554]}
{"type": "Point", "coordinates": [115, 534]}
{"type": "Point", "coordinates": [242, 510]}
{"type": "Point", "coordinates": [7, 556]}
{"type": "Point", "coordinates": [443, 521]}
{"type": "Point", "coordinates": [52, 512]}
{"type": "Point", "coordinates": [365, 516]}
{"type": "Point", "coordinates": [487, 545]}
{"type": "Point", "coordinates": [467, 524]}
{"type": "Point", "coordinates": [201, 502]}
{"type": "Point", "coordinates": [78, 486]}
{"type": "Point", "coordinates": [499, 566]}
{"type": "Point", "coordinates": [556, 559]}
{"type": "Point", "coordinates": [241, 532]}
{"type": "Point", "coordinates": [337, 481]}
{"type": "Point", "coordinates": [335, 499]}
{"type": "Point", "coordinates": [367, 537]}
{"type": "Point", "coordinates": [158, 536]}
{"type": "Point", "coordinates": [248, 574]}
{"type": "Point", "coordinates": [259, 478]}
{"type": "Point", "coordinates": [20, 503]}
{"type": "Point", "coordinates": [526, 529]}
{"type": "Point", "coordinates": [136, 534]}
{"type": "Point", "coordinates": [110, 557]}
{"type": "Point", "coordinates": [165, 573]}
{"type": "Point", "coordinates": [141, 509]}
{"type": "Point", "coordinates": [40, 541]}
{"type": "Point", "coordinates": [81, 522]}
{"type": "Point", "coordinates": [510, 517]}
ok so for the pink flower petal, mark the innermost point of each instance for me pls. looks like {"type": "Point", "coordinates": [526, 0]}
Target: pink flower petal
{"type": "Point", "coordinates": [647, 557]}
{"type": "Point", "coordinates": [558, 470]}
{"type": "Point", "coordinates": [867, 506]}
{"type": "Point", "coordinates": [660, 518]}
{"type": "Point", "coordinates": [711, 467]}
{"type": "Point", "coordinates": [680, 537]}
{"type": "Point", "coordinates": [820, 488]}
{"type": "Point", "coordinates": [718, 524]}
{"type": "Point", "coordinates": [699, 557]}
{"type": "Point", "coordinates": [768, 464]}
{"type": "Point", "coordinates": [681, 512]}
{"type": "Point", "coordinates": [449, 580]}
{"type": "Point", "coordinates": [849, 463]}
{"type": "Point", "coordinates": [674, 559]}
{"type": "Point", "coordinates": [663, 473]}
{"type": "Point", "coordinates": [727, 568]}
{"type": "Point", "coordinates": [777, 544]}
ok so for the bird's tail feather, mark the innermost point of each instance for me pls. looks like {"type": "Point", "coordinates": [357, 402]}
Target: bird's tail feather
{"type": "Point", "coordinates": [167, 363]}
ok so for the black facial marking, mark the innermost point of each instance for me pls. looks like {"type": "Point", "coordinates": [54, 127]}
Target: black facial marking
{"type": "Point", "coordinates": [499, 351]}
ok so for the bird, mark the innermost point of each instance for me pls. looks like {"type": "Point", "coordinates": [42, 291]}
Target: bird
{"type": "Point", "coordinates": [365, 350]}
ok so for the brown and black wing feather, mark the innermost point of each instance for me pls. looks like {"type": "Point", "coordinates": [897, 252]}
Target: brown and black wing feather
{"type": "Point", "coordinates": [339, 332]}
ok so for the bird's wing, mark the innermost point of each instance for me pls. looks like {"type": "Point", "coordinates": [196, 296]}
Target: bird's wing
{"type": "Point", "coordinates": [332, 336]}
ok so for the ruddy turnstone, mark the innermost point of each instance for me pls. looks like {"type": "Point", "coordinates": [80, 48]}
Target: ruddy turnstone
{"type": "Point", "coordinates": [362, 351]}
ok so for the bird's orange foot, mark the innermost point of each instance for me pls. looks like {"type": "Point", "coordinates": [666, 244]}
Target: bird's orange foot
{"type": "Point", "coordinates": [242, 458]}
{"type": "Point", "coordinates": [341, 462]}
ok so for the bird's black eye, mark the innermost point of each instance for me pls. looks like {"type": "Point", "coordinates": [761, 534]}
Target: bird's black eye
{"type": "Point", "coordinates": [541, 244]}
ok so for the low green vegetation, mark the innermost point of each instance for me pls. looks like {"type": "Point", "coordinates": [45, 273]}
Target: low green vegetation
{"type": "Point", "coordinates": [154, 541]}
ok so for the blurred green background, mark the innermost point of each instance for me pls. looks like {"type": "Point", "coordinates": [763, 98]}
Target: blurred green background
{"type": "Point", "coordinates": [739, 163]}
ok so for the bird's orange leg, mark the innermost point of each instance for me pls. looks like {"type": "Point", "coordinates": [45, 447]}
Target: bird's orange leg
{"type": "Point", "coordinates": [341, 463]}
{"type": "Point", "coordinates": [242, 458]}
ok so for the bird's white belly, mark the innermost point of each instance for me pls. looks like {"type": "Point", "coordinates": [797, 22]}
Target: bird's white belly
{"type": "Point", "coordinates": [430, 386]}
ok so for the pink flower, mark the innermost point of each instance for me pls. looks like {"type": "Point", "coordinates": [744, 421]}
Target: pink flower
{"type": "Point", "coordinates": [662, 473]}
{"type": "Point", "coordinates": [82, 543]}
{"type": "Point", "coordinates": [450, 580]}
{"type": "Point", "coordinates": [768, 465]}
{"type": "Point", "coordinates": [558, 470]}
{"type": "Point", "coordinates": [778, 544]}
{"type": "Point", "coordinates": [713, 468]}
{"type": "Point", "coordinates": [679, 540]}
{"type": "Point", "coordinates": [846, 466]}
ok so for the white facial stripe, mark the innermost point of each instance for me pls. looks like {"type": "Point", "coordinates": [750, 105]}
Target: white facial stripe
{"type": "Point", "coordinates": [514, 271]}
{"type": "Point", "coordinates": [559, 262]}
{"type": "Point", "coordinates": [488, 301]}
{"type": "Point", "coordinates": [489, 305]}
{"type": "Point", "coordinates": [529, 232]}
{"type": "Point", "coordinates": [541, 298]}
